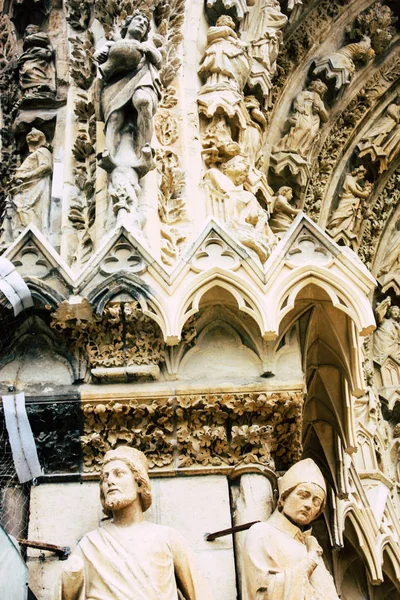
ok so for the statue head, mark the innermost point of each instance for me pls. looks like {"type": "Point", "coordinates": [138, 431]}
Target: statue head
{"type": "Point", "coordinates": [31, 29]}
{"type": "Point", "coordinates": [359, 171]}
{"type": "Point", "coordinates": [118, 488]}
{"type": "Point", "coordinates": [302, 492]}
{"type": "Point", "coordinates": [286, 191]}
{"type": "Point", "coordinates": [35, 138]}
{"type": "Point", "coordinates": [141, 21]}
{"type": "Point", "coordinates": [237, 169]}
{"type": "Point", "coordinates": [394, 313]}
{"type": "Point", "coordinates": [225, 21]}
{"type": "Point", "coordinates": [318, 86]}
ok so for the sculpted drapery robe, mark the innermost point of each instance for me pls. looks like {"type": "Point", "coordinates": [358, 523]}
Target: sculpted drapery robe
{"type": "Point", "coordinates": [275, 567]}
{"type": "Point", "coordinates": [152, 563]}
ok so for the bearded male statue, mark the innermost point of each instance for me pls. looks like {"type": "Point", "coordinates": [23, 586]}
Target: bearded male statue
{"type": "Point", "coordinates": [281, 559]}
{"type": "Point", "coordinates": [129, 558]}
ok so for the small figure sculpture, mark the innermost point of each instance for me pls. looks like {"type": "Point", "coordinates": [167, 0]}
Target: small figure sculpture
{"type": "Point", "coordinates": [131, 88]}
{"type": "Point", "coordinates": [340, 65]}
{"type": "Point", "coordinates": [130, 92]}
{"type": "Point", "coordinates": [36, 64]}
{"type": "Point", "coordinates": [308, 113]}
{"type": "Point", "coordinates": [265, 26]}
{"type": "Point", "coordinates": [387, 335]}
{"type": "Point", "coordinates": [242, 212]}
{"type": "Point", "coordinates": [283, 212]}
{"type": "Point", "coordinates": [282, 560]}
{"type": "Point", "coordinates": [129, 557]}
{"type": "Point", "coordinates": [30, 194]}
{"type": "Point", "coordinates": [226, 61]}
{"type": "Point", "coordinates": [391, 262]}
{"type": "Point", "coordinates": [348, 216]}
{"type": "Point", "coordinates": [382, 141]}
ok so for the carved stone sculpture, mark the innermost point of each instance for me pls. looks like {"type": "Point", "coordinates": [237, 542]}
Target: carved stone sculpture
{"type": "Point", "coordinates": [239, 208]}
{"type": "Point", "coordinates": [224, 69]}
{"type": "Point", "coordinates": [347, 218]}
{"type": "Point", "coordinates": [129, 557]}
{"type": "Point", "coordinates": [391, 262]}
{"type": "Point", "coordinates": [387, 336]}
{"type": "Point", "coordinates": [36, 65]}
{"type": "Point", "coordinates": [30, 195]}
{"type": "Point", "coordinates": [382, 141]}
{"type": "Point", "coordinates": [340, 66]}
{"type": "Point", "coordinates": [283, 212]}
{"type": "Point", "coordinates": [282, 560]}
{"type": "Point", "coordinates": [266, 26]}
{"type": "Point", "coordinates": [294, 150]}
{"type": "Point", "coordinates": [130, 92]}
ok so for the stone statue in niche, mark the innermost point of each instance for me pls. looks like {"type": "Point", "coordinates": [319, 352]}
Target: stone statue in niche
{"type": "Point", "coordinates": [283, 212]}
{"type": "Point", "coordinates": [391, 262]}
{"type": "Point", "coordinates": [387, 335]}
{"type": "Point", "coordinates": [130, 92]}
{"type": "Point", "coordinates": [37, 76]}
{"type": "Point", "coordinates": [226, 62]}
{"type": "Point", "coordinates": [308, 113]}
{"type": "Point", "coordinates": [129, 557]}
{"type": "Point", "coordinates": [30, 191]}
{"type": "Point", "coordinates": [294, 150]}
{"type": "Point", "coordinates": [382, 140]}
{"type": "Point", "coordinates": [218, 145]}
{"type": "Point", "coordinates": [239, 208]}
{"type": "Point", "coordinates": [340, 66]}
{"type": "Point", "coordinates": [281, 559]}
{"type": "Point", "coordinates": [347, 218]}
{"type": "Point", "coordinates": [265, 24]}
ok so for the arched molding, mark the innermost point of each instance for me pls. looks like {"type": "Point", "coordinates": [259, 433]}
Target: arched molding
{"type": "Point", "coordinates": [133, 286]}
{"type": "Point", "coordinates": [344, 295]}
{"type": "Point", "coordinates": [252, 305]}
{"type": "Point", "coordinates": [44, 293]}
{"type": "Point", "coordinates": [385, 544]}
{"type": "Point", "coordinates": [366, 541]}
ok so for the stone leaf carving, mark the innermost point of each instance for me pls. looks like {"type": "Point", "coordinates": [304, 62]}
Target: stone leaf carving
{"type": "Point", "coordinates": [82, 210]}
{"type": "Point", "coordinates": [9, 104]}
{"type": "Point", "coordinates": [347, 219]}
{"type": "Point", "coordinates": [78, 13]}
{"type": "Point", "coordinates": [169, 18]}
{"type": "Point", "coordinates": [121, 337]}
{"type": "Point", "coordinates": [381, 142]}
{"type": "Point", "coordinates": [377, 23]}
{"type": "Point", "coordinates": [145, 426]}
{"type": "Point", "coordinates": [211, 430]}
{"type": "Point", "coordinates": [171, 206]}
{"type": "Point", "coordinates": [82, 65]}
{"type": "Point", "coordinates": [55, 426]}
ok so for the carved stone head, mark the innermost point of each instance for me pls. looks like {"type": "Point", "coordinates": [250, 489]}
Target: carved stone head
{"type": "Point", "coordinates": [137, 14]}
{"type": "Point", "coordinates": [307, 474]}
{"type": "Point", "coordinates": [225, 21]}
{"type": "Point", "coordinates": [137, 463]}
{"type": "Point", "coordinates": [35, 138]}
{"type": "Point", "coordinates": [318, 86]}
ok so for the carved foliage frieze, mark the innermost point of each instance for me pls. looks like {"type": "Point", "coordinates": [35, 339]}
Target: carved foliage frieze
{"type": "Point", "coordinates": [199, 430]}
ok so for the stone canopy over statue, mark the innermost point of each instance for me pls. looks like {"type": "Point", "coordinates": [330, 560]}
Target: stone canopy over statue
{"type": "Point", "coordinates": [128, 557]}
{"type": "Point", "coordinates": [282, 560]}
